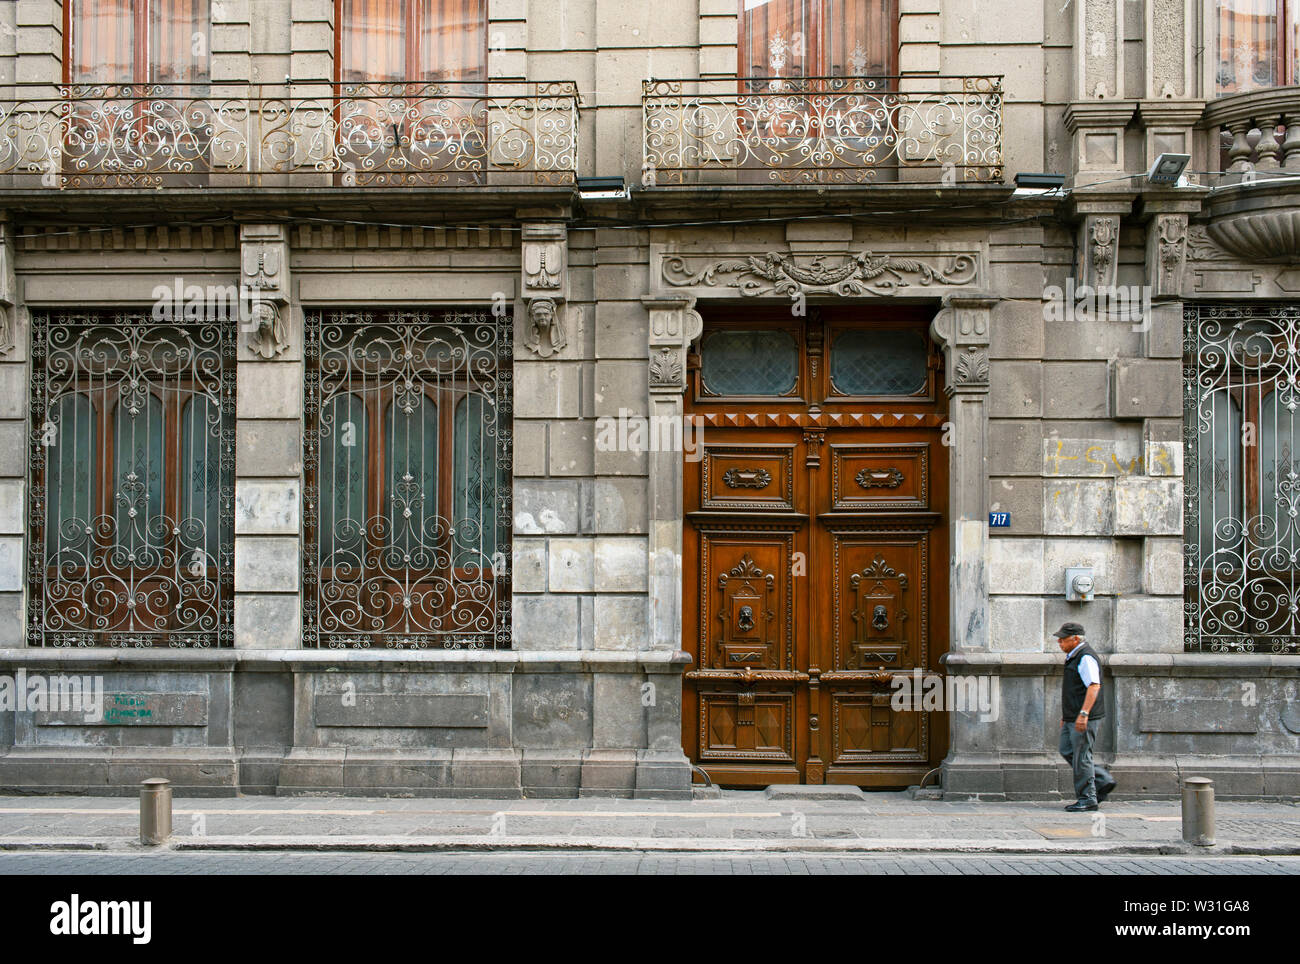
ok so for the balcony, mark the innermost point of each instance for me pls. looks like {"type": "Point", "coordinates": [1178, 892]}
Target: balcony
{"type": "Point", "coordinates": [316, 135]}
{"type": "Point", "coordinates": [822, 130]}
{"type": "Point", "coordinates": [1255, 207]}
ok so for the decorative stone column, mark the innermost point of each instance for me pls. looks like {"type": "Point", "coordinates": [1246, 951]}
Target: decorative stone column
{"type": "Point", "coordinates": [1099, 49]}
{"type": "Point", "coordinates": [268, 447]}
{"type": "Point", "coordinates": [1098, 113]}
{"type": "Point", "coordinates": [961, 329]}
{"type": "Point", "coordinates": [975, 755]}
{"type": "Point", "coordinates": [1171, 49]}
{"type": "Point", "coordinates": [674, 324]}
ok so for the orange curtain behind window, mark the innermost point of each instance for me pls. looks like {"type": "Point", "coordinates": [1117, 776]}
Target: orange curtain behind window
{"type": "Point", "coordinates": [861, 41]}
{"type": "Point", "coordinates": [138, 41]}
{"type": "Point", "coordinates": [178, 41]}
{"type": "Point", "coordinates": [388, 40]}
{"type": "Point", "coordinates": [102, 42]}
{"type": "Point", "coordinates": [373, 40]}
{"type": "Point", "coordinates": [453, 42]}
{"type": "Point", "coordinates": [775, 38]}
{"type": "Point", "coordinates": [817, 38]}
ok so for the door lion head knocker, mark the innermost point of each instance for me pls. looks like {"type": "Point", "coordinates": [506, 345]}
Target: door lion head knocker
{"type": "Point", "coordinates": [880, 618]}
{"type": "Point", "coordinates": [745, 618]}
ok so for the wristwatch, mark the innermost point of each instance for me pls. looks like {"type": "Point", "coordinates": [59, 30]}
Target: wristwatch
{"type": "Point", "coordinates": [1083, 712]}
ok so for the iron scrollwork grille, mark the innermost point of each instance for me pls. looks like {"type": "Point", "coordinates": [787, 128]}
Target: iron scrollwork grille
{"type": "Point", "coordinates": [1241, 399]}
{"type": "Point", "coordinates": [408, 457]}
{"type": "Point", "coordinates": [132, 481]}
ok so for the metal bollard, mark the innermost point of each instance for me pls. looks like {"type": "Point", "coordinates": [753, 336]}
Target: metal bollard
{"type": "Point", "coordinates": [155, 811]}
{"type": "Point", "coordinates": [1198, 811]}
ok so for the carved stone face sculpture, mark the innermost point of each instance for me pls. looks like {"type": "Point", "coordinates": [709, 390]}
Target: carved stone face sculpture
{"type": "Point", "coordinates": [543, 316]}
{"type": "Point", "coordinates": [545, 332]}
{"type": "Point", "coordinates": [268, 336]}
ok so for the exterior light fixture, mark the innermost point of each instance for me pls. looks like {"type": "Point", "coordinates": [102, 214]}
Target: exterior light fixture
{"type": "Point", "coordinates": [602, 189]}
{"type": "Point", "coordinates": [1041, 181]}
{"type": "Point", "coordinates": [1168, 169]}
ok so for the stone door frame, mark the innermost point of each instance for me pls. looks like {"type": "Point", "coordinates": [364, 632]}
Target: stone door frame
{"type": "Point", "coordinates": [961, 329]}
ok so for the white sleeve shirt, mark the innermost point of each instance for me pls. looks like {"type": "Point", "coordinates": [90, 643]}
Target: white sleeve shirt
{"type": "Point", "coordinates": [1089, 671]}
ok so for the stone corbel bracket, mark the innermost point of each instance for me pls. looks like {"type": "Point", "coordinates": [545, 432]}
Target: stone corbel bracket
{"type": "Point", "coordinates": [1167, 253]}
{"type": "Point", "coordinates": [674, 324]}
{"type": "Point", "coordinates": [1099, 220]}
{"type": "Point", "coordinates": [544, 281]}
{"type": "Point", "coordinates": [8, 289]}
{"type": "Point", "coordinates": [1168, 248]}
{"type": "Point", "coordinates": [961, 329]}
{"type": "Point", "coordinates": [264, 276]}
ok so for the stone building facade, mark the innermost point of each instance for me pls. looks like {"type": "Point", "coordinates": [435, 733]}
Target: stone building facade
{"type": "Point", "coordinates": [516, 280]}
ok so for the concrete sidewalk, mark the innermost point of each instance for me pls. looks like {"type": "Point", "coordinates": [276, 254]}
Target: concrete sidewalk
{"type": "Point", "coordinates": [777, 820]}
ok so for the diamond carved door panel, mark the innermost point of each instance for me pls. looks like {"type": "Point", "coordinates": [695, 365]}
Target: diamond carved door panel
{"type": "Point", "coordinates": [813, 525]}
{"type": "Point", "coordinates": [751, 725]}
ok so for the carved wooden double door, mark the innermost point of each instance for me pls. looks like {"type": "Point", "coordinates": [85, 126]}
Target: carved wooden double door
{"type": "Point", "coordinates": [815, 550]}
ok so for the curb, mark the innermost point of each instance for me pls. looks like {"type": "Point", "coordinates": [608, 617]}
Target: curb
{"type": "Point", "coordinates": [483, 843]}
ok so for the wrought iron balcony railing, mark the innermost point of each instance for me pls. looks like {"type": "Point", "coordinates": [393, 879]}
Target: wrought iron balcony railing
{"type": "Point", "coordinates": [824, 130]}
{"type": "Point", "coordinates": [350, 135]}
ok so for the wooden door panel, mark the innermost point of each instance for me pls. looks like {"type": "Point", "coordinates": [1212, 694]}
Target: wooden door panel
{"type": "Point", "coordinates": [748, 606]}
{"type": "Point", "coordinates": [748, 477]}
{"type": "Point", "coordinates": [865, 729]}
{"type": "Point", "coordinates": [880, 612]}
{"type": "Point", "coordinates": [747, 725]}
{"type": "Point", "coordinates": [866, 478]}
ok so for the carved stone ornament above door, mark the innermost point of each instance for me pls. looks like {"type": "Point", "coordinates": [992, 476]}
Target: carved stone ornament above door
{"type": "Point", "coordinates": [851, 274]}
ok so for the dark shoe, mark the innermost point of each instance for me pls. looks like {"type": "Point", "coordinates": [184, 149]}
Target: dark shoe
{"type": "Point", "coordinates": [1104, 792]}
{"type": "Point", "coordinates": [1080, 806]}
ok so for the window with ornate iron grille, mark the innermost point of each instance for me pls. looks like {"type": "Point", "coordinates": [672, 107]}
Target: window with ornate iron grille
{"type": "Point", "coordinates": [1241, 393]}
{"type": "Point", "coordinates": [408, 449]}
{"type": "Point", "coordinates": [132, 480]}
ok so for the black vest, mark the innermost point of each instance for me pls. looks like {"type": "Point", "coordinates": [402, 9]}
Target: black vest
{"type": "Point", "coordinates": [1073, 690]}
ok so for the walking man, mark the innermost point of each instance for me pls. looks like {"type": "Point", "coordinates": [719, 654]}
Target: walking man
{"type": "Point", "coordinates": [1082, 705]}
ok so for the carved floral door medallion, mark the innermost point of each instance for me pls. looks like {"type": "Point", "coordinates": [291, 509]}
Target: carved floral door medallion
{"type": "Point", "coordinates": [815, 555]}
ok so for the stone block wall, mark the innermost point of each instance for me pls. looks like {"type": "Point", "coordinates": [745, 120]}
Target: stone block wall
{"type": "Point", "coordinates": [583, 703]}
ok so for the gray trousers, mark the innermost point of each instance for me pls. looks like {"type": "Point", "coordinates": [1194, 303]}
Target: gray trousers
{"type": "Point", "coordinates": [1076, 747]}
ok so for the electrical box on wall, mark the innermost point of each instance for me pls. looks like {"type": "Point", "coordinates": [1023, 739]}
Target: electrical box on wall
{"type": "Point", "coordinates": [1078, 584]}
